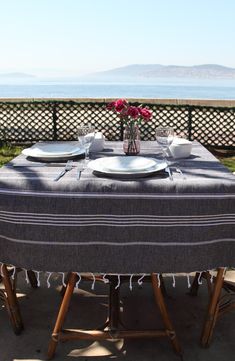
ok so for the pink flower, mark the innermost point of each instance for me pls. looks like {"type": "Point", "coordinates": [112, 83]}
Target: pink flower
{"type": "Point", "coordinates": [133, 112]}
{"type": "Point", "coordinates": [145, 113]}
{"type": "Point", "coordinates": [111, 105]}
{"type": "Point", "coordinates": [120, 105]}
{"type": "Point", "coordinates": [129, 114]}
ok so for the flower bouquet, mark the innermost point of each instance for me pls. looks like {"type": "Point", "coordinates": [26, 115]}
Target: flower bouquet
{"type": "Point", "coordinates": [131, 116]}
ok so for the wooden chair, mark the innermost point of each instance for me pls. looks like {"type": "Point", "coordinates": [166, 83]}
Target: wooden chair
{"type": "Point", "coordinates": [111, 328]}
{"type": "Point", "coordinates": [8, 295]}
{"type": "Point", "coordinates": [219, 303]}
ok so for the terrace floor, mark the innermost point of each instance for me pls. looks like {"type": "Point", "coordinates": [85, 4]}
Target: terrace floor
{"type": "Point", "coordinates": [88, 309]}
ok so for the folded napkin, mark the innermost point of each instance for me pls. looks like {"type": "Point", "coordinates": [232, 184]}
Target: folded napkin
{"type": "Point", "coordinates": [98, 142]}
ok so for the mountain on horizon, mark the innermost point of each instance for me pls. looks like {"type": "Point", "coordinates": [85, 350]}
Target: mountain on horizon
{"type": "Point", "coordinates": [152, 71]}
{"type": "Point", "coordinates": [16, 75]}
{"type": "Point", "coordinates": [133, 73]}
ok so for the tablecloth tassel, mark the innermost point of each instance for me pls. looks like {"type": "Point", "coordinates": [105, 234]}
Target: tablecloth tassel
{"type": "Point", "coordinates": [79, 280]}
{"type": "Point", "coordinates": [119, 281]}
{"type": "Point", "coordinates": [188, 279]}
{"type": "Point", "coordinates": [48, 278]}
{"type": "Point", "coordinates": [173, 280]}
{"type": "Point", "coordinates": [2, 270]}
{"type": "Point", "coordinates": [211, 278]}
{"type": "Point", "coordinates": [105, 279]}
{"type": "Point", "coordinates": [140, 280]}
{"type": "Point", "coordinates": [93, 283]}
{"type": "Point", "coordinates": [200, 278]}
{"type": "Point", "coordinates": [159, 280]}
{"type": "Point", "coordinates": [225, 270]}
{"type": "Point", "coordinates": [63, 279]}
{"type": "Point", "coordinates": [14, 272]}
{"type": "Point", "coordinates": [38, 278]}
{"type": "Point", "coordinates": [130, 284]}
{"type": "Point", "coordinates": [26, 276]}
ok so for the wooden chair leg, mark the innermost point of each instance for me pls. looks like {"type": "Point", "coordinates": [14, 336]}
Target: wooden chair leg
{"type": "Point", "coordinates": [163, 310]}
{"type": "Point", "coordinates": [11, 302]}
{"type": "Point", "coordinates": [61, 315]}
{"type": "Point", "coordinates": [212, 309]}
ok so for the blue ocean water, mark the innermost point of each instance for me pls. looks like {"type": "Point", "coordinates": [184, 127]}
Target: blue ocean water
{"type": "Point", "coordinates": [178, 90]}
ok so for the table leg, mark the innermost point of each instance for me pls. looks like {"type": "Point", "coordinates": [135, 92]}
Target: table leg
{"type": "Point", "coordinates": [11, 302]}
{"type": "Point", "coordinates": [212, 309]}
{"type": "Point", "coordinates": [114, 306]}
{"type": "Point", "coordinates": [163, 310]}
{"type": "Point", "coordinates": [32, 279]}
{"type": "Point", "coordinates": [195, 285]}
{"type": "Point", "coordinates": [61, 315]}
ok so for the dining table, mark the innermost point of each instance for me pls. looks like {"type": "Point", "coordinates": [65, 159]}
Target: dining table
{"type": "Point", "coordinates": [103, 224]}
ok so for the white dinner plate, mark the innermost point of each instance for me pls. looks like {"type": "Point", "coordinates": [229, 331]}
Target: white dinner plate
{"type": "Point", "coordinates": [128, 164]}
{"type": "Point", "coordinates": [51, 150]}
{"type": "Point", "coordinates": [55, 151]}
{"type": "Point", "coordinates": [97, 165]}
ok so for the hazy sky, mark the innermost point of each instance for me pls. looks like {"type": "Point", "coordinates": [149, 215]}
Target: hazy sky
{"type": "Point", "coordinates": [76, 36]}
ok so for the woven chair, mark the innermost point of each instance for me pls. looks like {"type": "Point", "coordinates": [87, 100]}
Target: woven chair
{"type": "Point", "coordinates": [8, 295]}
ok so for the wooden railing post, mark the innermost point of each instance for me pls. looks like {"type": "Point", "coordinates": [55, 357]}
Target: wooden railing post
{"type": "Point", "coordinates": [189, 123]}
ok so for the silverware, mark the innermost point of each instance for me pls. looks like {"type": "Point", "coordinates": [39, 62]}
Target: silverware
{"type": "Point", "coordinates": [178, 170]}
{"type": "Point", "coordinates": [67, 168]}
{"type": "Point", "coordinates": [25, 165]}
{"type": "Point", "coordinates": [80, 169]}
{"type": "Point", "coordinates": [32, 165]}
{"type": "Point", "coordinates": [168, 170]}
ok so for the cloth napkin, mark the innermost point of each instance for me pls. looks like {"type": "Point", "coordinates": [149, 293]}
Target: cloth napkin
{"type": "Point", "coordinates": [98, 142]}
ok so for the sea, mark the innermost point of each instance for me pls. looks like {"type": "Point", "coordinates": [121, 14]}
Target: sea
{"type": "Point", "coordinates": [162, 89]}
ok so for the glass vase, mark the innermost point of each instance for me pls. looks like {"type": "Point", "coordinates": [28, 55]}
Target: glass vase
{"type": "Point", "coordinates": [131, 140]}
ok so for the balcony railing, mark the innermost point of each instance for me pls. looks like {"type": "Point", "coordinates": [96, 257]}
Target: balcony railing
{"type": "Point", "coordinates": [28, 120]}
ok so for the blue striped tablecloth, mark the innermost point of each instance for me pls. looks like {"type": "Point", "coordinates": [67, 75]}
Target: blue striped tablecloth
{"type": "Point", "coordinates": [107, 225]}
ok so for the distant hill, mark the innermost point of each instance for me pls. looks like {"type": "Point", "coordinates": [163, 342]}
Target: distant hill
{"type": "Point", "coordinates": [151, 71]}
{"type": "Point", "coordinates": [16, 75]}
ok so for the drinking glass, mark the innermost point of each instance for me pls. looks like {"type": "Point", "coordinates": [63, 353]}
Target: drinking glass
{"type": "Point", "coordinates": [86, 134]}
{"type": "Point", "coordinates": [164, 137]}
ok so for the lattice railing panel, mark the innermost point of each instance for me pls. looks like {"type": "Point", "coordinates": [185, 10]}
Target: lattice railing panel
{"type": "Point", "coordinates": [214, 126]}
{"type": "Point", "coordinates": [71, 115]}
{"type": "Point", "coordinates": [26, 121]}
{"type": "Point", "coordinates": [29, 121]}
{"type": "Point", "coordinates": [165, 116]}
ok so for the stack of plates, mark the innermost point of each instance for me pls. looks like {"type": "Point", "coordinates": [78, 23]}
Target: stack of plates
{"type": "Point", "coordinates": [127, 166]}
{"type": "Point", "coordinates": [53, 151]}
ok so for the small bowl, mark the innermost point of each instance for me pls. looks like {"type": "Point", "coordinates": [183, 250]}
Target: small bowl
{"type": "Point", "coordinates": [180, 148]}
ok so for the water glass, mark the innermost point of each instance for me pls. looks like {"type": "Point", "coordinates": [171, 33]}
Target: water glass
{"type": "Point", "coordinates": [164, 137]}
{"type": "Point", "coordinates": [86, 134]}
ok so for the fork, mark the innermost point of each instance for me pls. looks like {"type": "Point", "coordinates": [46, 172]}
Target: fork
{"type": "Point", "coordinates": [178, 170]}
{"type": "Point", "coordinates": [80, 169]}
{"type": "Point", "coordinates": [67, 168]}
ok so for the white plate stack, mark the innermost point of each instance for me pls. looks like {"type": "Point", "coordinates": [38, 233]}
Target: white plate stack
{"type": "Point", "coordinates": [127, 166]}
{"type": "Point", "coordinates": [53, 151]}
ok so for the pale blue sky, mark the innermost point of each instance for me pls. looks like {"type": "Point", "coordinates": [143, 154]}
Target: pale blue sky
{"type": "Point", "coordinates": [77, 36]}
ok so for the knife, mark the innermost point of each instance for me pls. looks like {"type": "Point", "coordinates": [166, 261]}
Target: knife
{"type": "Point", "coordinates": [169, 173]}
